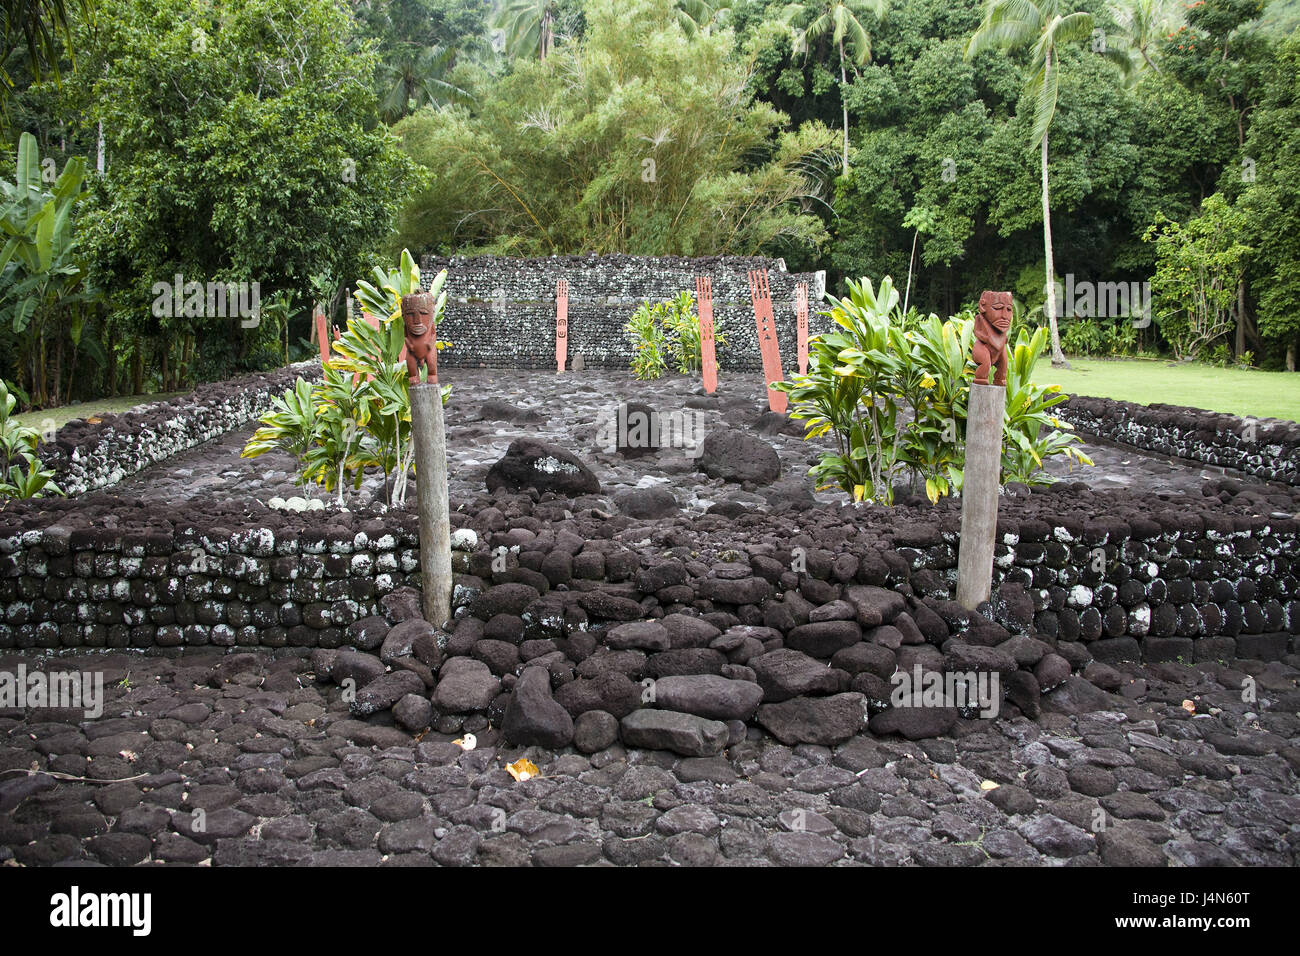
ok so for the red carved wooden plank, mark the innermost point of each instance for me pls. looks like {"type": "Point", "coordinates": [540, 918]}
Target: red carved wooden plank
{"type": "Point", "coordinates": [801, 321]}
{"type": "Point", "coordinates": [761, 294]}
{"type": "Point", "coordinates": [561, 323]}
{"type": "Point", "coordinates": [708, 356]}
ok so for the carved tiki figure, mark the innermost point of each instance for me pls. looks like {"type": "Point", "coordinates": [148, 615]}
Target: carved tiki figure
{"type": "Point", "coordinates": [992, 325]}
{"type": "Point", "coordinates": [421, 344]}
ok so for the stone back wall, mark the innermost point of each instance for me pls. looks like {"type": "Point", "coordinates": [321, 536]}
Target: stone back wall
{"type": "Point", "coordinates": [501, 311]}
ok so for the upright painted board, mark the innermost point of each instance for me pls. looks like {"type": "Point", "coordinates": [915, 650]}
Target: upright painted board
{"type": "Point", "coordinates": [761, 293]}
{"type": "Point", "coordinates": [561, 324]}
{"type": "Point", "coordinates": [708, 356]}
{"type": "Point", "coordinates": [322, 337]}
{"type": "Point", "coordinates": [801, 320]}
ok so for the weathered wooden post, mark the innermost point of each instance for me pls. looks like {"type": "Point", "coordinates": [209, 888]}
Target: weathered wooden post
{"type": "Point", "coordinates": [982, 475]}
{"type": "Point", "coordinates": [708, 354]}
{"type": "Point", "coordinates": [429, 435]}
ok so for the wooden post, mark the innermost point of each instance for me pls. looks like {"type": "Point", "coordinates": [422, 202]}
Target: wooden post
{"type": "Point", "coordinates": [801, 320]}
{"type": "Point", "coordinates": [979, 494]}
{"type": "Point", "coordinates": [561, 324]}
{"type": "Point", "coordinates": [429, 435]}
{"type": "Point", "coordinates": [761, 295]}
{"type": "Point", "coordinates": [708, 353]}
{"type": "Point", "coordinates": [322, 337]}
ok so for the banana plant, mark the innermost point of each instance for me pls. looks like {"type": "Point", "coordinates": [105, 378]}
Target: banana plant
{"type": "Point", "coordinates": [39, 271]}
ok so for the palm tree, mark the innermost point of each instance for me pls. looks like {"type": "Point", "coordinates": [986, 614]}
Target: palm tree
{"type": "Point", "coordinates": [529, 25]}
{"type": "Point", "coordinates": [416, 78]}
{"type": "Point", "coordinates": [699, 16]}
{"type": "Point", "coordinates": [1042, 26]}
{"type": "Point", "coordinates": [38, 25]}
{"type": "Point", "coordinates": [839, 18]}
{"type": "Point", "coordinates": [1144, 22]}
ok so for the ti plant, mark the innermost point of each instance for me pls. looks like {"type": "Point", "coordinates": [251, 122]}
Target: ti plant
{"type": "Point", "coordinates": [359, 415]}
{"type": "Point", "coordinates": [24, 475]}
{"type": "Point", "coordinates": [1029, 433]}
{"type": "Point", "coordinates": [891, 389]}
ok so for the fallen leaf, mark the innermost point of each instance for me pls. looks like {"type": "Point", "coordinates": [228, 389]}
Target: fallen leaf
{"type": "Point", "coordinates": [1189, 706]}
{"type": "Point", "coordinates": [989, 785]}
{"type": "Point", "coordinates": [522, 769]}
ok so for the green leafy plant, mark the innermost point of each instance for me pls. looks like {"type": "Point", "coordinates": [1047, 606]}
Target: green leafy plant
{"type": "Point", "coordinates": [681, 326]}
{"type": "Point", "coordinates": [358, 415]}
{"type": "Point", "coordinates": [41, 277]}
{"type": "Point", "coordinates": [645, 331]}
{"type": "Point", "coordinates": [1029, 433]}
{"type": "Point", "coordinates": [1083, 337]}
{"type": "Point", "coordinates": [23, 475]}
{"type": "Point", "coordinates": [892, 391]}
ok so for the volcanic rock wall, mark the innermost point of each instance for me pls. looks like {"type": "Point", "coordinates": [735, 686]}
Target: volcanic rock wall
{"type": "Point", "coordinates": [1268, 448]}
{"type": "Point", "coordinates": [90, 455]}
{"type": "Point", "coordinates": [501, 312]}
{"type": "Point", "coordinates": [1194, 584]}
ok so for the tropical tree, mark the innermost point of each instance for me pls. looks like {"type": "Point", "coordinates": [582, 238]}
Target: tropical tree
{"type": "Point", "coordinates": [1044, 27]}
{"type": "Point", "coordinates": [572, 155]}
{"type": "Point", "coordinates": [40, 275]}
{"type": "Point", "coordinates": [699, 16]}
{"type": "Point", "coordinates": [36, 25]}
{"type": "Point", "coordinates": [419, 77]}
{"type": "Point", "coordinates": [529, 27]}
{"type": "Point", "coordinates": [840, 19]}
{"type": "Point", "coordinates": [1143, 24]}
{"type": "Point", "coordinates": [232, 162]}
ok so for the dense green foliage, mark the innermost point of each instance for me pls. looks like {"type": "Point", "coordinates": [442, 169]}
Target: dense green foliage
{"type": "Point", "coordinates": [248, 141]}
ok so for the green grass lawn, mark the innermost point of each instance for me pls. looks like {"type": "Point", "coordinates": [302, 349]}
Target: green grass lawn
{"type": "Point", "coordinates": [1249, 393]}
{"type": "Point", "coordinates": [91, 409]}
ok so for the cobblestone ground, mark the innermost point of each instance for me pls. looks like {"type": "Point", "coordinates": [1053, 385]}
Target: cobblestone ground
{"type": "Point", "coordinates": [283, 775]}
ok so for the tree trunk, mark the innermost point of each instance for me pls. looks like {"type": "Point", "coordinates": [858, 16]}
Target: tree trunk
{"type": "Point", "coordinates": [57, 390]}
{"type": "Point", "coordinates": [1240, 346]}
{"type": "Point", "coordinates": [1058, 357]}
{"type": "Point", "coordinates": [912, 258]}
{"type": "Point", "coordinates": [1290, 357]}
{"type": "Point", "coordinates": [137, 370]}
{"type": "Point", "coordinates": [844, 103]}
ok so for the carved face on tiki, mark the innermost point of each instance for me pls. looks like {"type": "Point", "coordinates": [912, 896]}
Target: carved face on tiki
{"type": "Point", "coordinates": [417, 321]}
{"type": "Point", "coordinates": [991, 328]}
{"type": "Point", "coordinates": [996, 309]}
